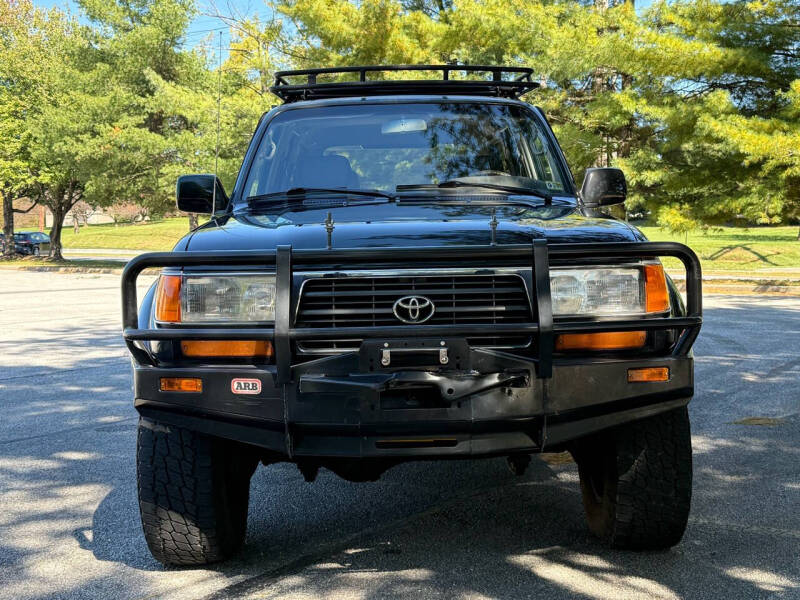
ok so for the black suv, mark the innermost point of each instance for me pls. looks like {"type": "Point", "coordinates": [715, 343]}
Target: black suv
{"type": "Point", "coordinates": [405, 270]}
{"type": "Point", "coordinates": [28, 243]}
{"type": "Point", "coordinates": [31, 243]}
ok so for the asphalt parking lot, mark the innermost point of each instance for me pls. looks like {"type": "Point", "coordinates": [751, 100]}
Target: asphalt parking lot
{"type": "Point", "coordinates": [69, 524]}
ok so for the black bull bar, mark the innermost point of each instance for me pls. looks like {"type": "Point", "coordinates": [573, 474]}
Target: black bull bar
{"type": "Point", "coordinates": [539, 252]}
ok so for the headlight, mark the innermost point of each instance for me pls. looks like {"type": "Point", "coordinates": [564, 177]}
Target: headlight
{"type": "Point", "coordinates": [609, 290]}
{"type": "Point", "coordinates": [235, 298]}
{"type": "Point", "coordinates": [215, 298]}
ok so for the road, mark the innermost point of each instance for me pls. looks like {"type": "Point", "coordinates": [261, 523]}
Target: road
{"type": "Point", "coordinates": [69, 525]}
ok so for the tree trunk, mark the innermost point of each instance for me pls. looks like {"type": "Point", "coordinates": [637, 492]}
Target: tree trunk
{"type": "Point", "coordinates": [8, 225]}
{"type": "Point", "coordinates": [192, 221]}
{"type": "Point", "coordinates": [55, 233]}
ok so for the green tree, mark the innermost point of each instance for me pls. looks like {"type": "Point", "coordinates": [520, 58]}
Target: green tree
{"type": "Point", "coordinates": [65, 134]}
{"type": "Point", "coordinates": [140, 49]}
{"type": "Point", "coordinates": [169, 99]}
{"type": "Point", "coordinates": [14, 175]}
{"type": "Point", "coordinates": [338, 32]}
{"type": "Point", "coordinates": [54, 115]}
{"type": "Point", "coordinates": [723, 126]}
{"type": "Point", "coordinates": [17, 91]}
{"type": "Point", "coordinates": [694, 100]}
{"type": "Point", "coordinates": [675, 219]}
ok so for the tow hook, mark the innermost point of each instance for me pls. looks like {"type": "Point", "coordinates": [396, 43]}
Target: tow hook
{"type": "Point", "coordinates": [518, 463]}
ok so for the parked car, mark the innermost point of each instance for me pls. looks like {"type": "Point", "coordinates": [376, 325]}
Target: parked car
{"type": "Point", "coordinates": [32, 243]}
{"type": "Point", "coordinates": [18, 249]}
{"type": "Point", "coordinates": [406, 270]}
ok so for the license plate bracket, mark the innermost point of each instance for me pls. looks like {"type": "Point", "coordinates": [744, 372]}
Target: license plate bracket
{"type": "Point", "coordinates": [449, 354]}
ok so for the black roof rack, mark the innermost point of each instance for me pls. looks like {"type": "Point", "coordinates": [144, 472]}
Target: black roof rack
{"type": "Point", "coordinates": [506, 82]}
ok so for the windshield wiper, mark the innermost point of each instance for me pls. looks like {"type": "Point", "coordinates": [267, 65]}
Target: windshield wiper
{"type": "Point", "coordinates": [455, 183]}
{"type": "Point", "coordinates": [302, 192]}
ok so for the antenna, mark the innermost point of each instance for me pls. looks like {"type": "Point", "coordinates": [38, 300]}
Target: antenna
{"type": "Point", "coordinates": [219, 102]}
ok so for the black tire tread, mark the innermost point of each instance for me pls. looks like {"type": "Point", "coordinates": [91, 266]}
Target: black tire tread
{"type": "Point", "coordinates": [187, 516]}
{"type": "Point", "coordinates": [647, 469]}
{"type": "Point", "coordinates": [654, 485]}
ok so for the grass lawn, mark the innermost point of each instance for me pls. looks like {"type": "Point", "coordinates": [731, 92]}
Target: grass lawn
{"type": "Point", "coordinates": [766, 249]}
{"type": "Point", "coordinates": [727, 249]}
{"type": "Point", "coordinates": [160, 235]}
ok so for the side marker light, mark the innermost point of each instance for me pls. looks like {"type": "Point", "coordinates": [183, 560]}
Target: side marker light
{"type": "Point", "coordinates": [648, 374]}
{"type": "Point", "coordinates": [181, 384]}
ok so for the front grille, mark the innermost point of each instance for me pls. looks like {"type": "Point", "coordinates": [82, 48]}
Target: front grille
{"type": "Point", "coordinates": [367, 301]}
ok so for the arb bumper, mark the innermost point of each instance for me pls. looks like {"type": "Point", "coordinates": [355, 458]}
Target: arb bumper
{"type": "Point", "coordinates": [414, 390]}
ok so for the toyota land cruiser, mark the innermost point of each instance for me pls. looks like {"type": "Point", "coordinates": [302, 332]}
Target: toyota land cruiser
{"type": "Point", "coordinates": [406, 270]}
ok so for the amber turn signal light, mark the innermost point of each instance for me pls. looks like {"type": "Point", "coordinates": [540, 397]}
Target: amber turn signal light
{"type": "Point", "coordinates": [168, 299]}
{"type": "Point", "coordinates": [615, 340]}
{"type": "Point", "coordinates": [646, 374]}
{"type": "Point", "coordinates": [657, 296]}
{"type": "Point", "coordinates": [181, 384]}
{"type": "Point", "coordinates": [227, 348]}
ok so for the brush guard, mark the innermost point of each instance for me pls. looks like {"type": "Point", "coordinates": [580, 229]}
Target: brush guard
{"type": "Point", "coordinates": [539, 253]}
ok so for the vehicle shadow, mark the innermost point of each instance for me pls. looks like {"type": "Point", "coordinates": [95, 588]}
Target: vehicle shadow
{"type": "Point", "coordinates": [527, 538]}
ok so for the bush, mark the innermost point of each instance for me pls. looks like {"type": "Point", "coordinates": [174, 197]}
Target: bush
{"type": "Point", "coordinates": [677, 220]}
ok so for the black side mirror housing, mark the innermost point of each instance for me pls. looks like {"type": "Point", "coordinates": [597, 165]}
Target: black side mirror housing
{"type": "Point", "coordinates": [603, 187]}
{"type": "Point", "coordinates": [196, 194]}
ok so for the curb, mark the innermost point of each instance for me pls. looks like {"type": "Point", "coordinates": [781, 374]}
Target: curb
{"type": "Point", "coordinates": [124, 252]}
{"type": "Point", "coordinates": [741, 280]}
{"type": "Point", "coordinates": [106, 270]}
{"type": "Point", "coordinates": [69, 269]}
{"type": "Point", "coordinates": [714, 289]}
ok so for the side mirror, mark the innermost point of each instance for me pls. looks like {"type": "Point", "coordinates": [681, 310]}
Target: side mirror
{"type": "Point", "coordinates": [195, 194]}
{"type": "Point", "coordinates": [603, 187]}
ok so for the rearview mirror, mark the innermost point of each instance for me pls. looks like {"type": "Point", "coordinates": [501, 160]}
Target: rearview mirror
{"type": "Point", "coordinates": [603, 187]}
{"type": "Point", "coordinates": [404, 126]}
{"type": "Point", "coordinates": [196, 194]}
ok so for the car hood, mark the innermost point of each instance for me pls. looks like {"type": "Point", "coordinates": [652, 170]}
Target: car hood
{"type": "Point", "coordinates": [370, 225]}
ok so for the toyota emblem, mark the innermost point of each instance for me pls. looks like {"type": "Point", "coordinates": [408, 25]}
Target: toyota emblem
{"type": "Point", "coordinates": [413, 309]}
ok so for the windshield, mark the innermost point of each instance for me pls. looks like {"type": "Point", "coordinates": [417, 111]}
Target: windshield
{"type": "Point", "coordinates": [389, 145]}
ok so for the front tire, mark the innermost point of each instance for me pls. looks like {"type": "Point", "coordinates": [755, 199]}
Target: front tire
{"type": "Point", "coordinates": [636, 481]}
{"type": "Point", "coordinates": [193, 493]}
